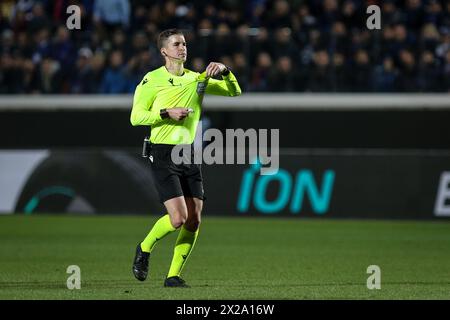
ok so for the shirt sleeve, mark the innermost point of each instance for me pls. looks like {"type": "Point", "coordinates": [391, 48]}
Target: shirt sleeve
{"type": "Point", "coordinates": [226, 87]}
{"type": "Point", "coordinates": [142, 113]}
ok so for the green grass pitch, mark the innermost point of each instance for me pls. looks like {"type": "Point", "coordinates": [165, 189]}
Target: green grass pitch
{"type": "Point", "coordinates": [234, 258]}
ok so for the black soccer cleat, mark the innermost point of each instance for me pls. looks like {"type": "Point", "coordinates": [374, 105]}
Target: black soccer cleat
{"type": "Point", "coordinates": [140, 264]}
{"type": "Point", "coordinates": [175, 282]}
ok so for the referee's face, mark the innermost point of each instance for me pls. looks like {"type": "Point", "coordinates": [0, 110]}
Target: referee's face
{"type": "Point", "coordinates": [176, 47]}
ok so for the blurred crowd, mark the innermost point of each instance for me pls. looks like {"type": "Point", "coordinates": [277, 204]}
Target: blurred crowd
{"type": "Point", "coordinates": [271, 45]}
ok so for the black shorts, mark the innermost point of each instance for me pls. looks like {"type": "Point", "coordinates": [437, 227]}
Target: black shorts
{"type": "Point", "coordinates": [175, 180]}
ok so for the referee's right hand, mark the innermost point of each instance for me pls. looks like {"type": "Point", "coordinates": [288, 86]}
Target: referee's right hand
{"type": "Point", "coordinates": [178, 113]}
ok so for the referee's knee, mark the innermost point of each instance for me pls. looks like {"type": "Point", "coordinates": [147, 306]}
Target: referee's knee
{"type": "Point", "coordinates": [177, 220]}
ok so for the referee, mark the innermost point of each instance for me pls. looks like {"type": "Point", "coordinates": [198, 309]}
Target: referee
{"type": "Point", "coordinates": [169, 100]}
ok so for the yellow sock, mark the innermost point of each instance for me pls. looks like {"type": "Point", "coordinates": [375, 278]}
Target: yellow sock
{"type": "Point", "coordinates": [161, 229]}
{"type": "Point", "coordinates": [183, 247]}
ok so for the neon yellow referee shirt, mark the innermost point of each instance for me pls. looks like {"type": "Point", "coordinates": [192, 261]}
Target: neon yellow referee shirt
{"type": "Point", "coordinates": [162, 90]}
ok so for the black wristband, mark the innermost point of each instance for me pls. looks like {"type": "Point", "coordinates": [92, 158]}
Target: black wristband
{"type": "Point", "coordinates": [163, 113]}
{"type": "Point", "coordinates": [226, 72]}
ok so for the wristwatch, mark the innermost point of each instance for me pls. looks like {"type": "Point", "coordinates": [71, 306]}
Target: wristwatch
{"type": "Point", "coordinates": [163, 113]}
{"type": "Point", "coordinates": [226, 72]}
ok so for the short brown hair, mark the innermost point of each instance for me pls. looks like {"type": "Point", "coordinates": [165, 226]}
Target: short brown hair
{"type": "Point", "coordinates": [164, 35]}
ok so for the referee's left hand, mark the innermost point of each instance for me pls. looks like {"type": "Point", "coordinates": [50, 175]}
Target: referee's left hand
{"type": "Point", "coordinates": [215, 68]}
